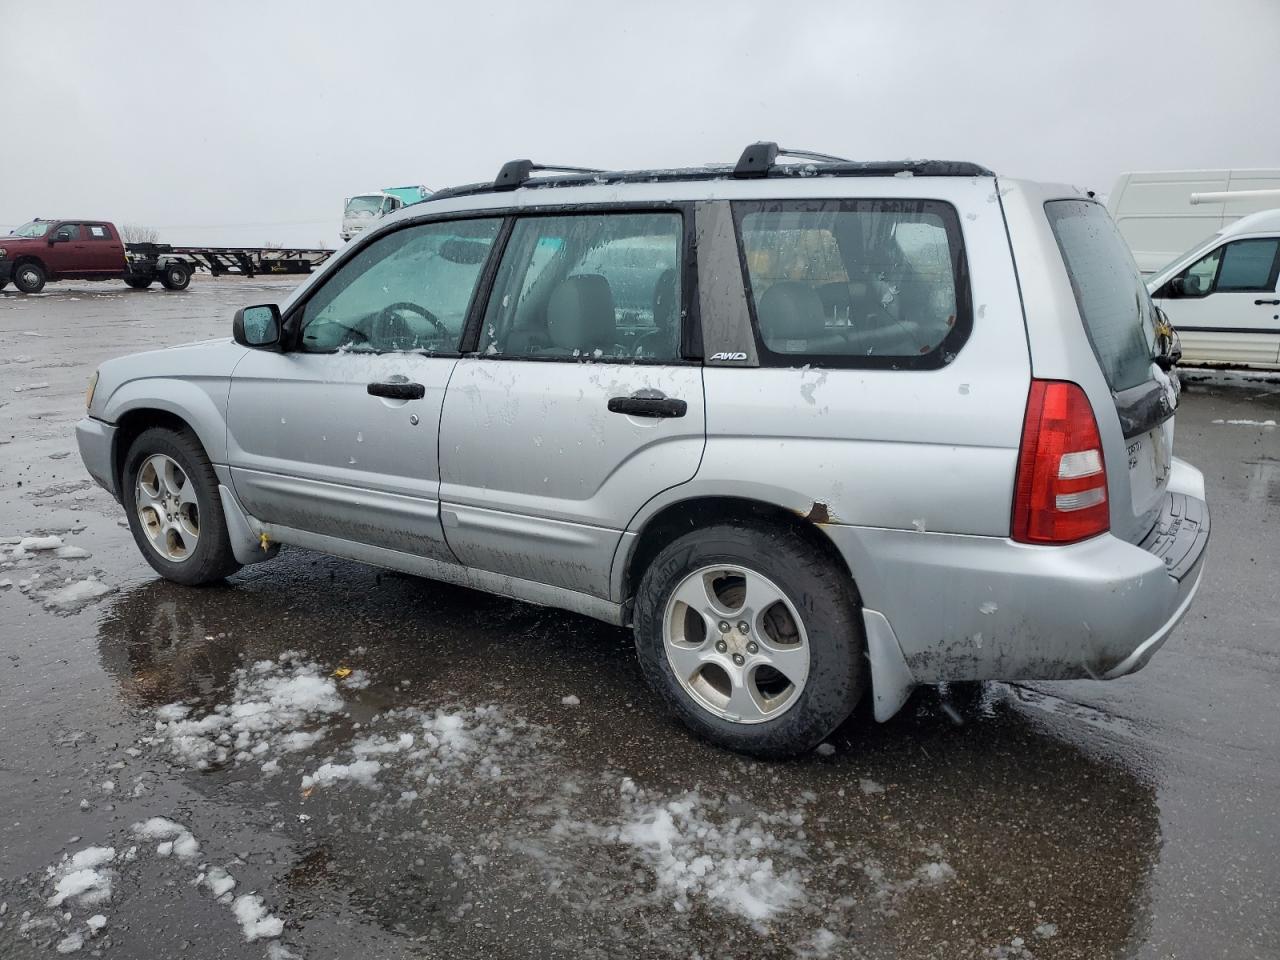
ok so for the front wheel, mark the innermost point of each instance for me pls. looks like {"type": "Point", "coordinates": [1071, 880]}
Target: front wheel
{"type": "Point", "coordinates": [175, 277]}
{"type": "Point", "coordinates": [29, 277]}
{"type": "Point", "coordinates": [752, 636]}
{"type": "Point", "coordinates": [138, 283]}
{"type": "Point", "coordinates": [175, 513]}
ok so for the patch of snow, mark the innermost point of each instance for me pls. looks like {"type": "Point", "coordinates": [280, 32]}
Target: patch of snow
{"type": "Point", "coordinates": [697, 852]}
{"type": "Point", "coordinates": [270, 701]}
{"type": "Point", "coordinates": [96, 922]}
{"type": "Point", "coordinates": [219, 881]}
{"type": "Point", "coordinates": [363, 772]}
{"type": "Point", "coordinates": [255, 922]}
{"type": "Point", "coordinates": [825, 749]}
{"type": "Point", "coordinates": [869, 786]}
{"type": "Point", "coordinates": [75, 595]}
{"type": "Point", "coordinates": [71, 942]}
{"type": "Point", "coordinates": [24, 387]}
{"type": "Point", "coordinates": [988, 607]}
{"type": "Point", "coordinates": [71, 553]}
{"type": "Point", "coordinates": [178, 840]}
{"type": "Point", "coordinates": [570, 701]}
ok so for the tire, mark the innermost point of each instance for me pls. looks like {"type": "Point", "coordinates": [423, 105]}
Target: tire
{"type": "Point", "coordinates": [204, 557]}
{"type": "Point", "coordinates": [3, 284]}
{"type": "Point", "coordinates": [830, 626]}
{"type": "Point", "coordinates": [29, 277]}
{"type": "Point", "coordinates": [175, 277]}
{"type": "Point", "coordinates": [138, 283]}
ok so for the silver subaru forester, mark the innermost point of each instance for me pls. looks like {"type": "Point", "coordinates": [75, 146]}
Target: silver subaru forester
{"type": "Point", "coordinates": [812, 427]}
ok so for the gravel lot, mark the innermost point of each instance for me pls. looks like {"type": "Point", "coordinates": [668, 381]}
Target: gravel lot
{"type": "Point", "coordinates": [492, 779]}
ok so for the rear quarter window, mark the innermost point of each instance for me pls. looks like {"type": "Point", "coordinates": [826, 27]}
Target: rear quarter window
{"type": "Point", "coordinates": [855, 283]}
{"type": "Point", "coordinates": [1109, 292]}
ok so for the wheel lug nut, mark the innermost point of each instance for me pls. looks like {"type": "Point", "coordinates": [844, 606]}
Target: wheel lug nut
{"type": "Point", "coordinates": [738, 659]}
{"type": "Point", "coordinates": [743, 627]}
{"type": "Point", "coordinates": [721, 646]}
{"type": "Point", "coordinates": [752, 647]}
{"type": "Point", "coordinates": [724, 626]}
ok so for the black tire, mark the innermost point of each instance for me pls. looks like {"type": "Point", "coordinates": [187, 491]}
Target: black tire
{"type": "Point", "coordinates": [175, 276]}
{"type": "Point", "coordinates": [211, 560]}
{"type": "Point", "coordinates": [138, 283]}
{"type": "Point", "coordinates": [3, 284]}
{"type": "Point", "coordinates": [823, 596]}
{"type": "Point", "coordinates": [29, 277]}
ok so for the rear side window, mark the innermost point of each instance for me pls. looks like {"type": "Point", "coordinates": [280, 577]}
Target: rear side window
{"type": "Point", "coordinates": [589, 287]}
{"type": "Point", "coordinates": [1113, 301]}
{"type": "Point", "coordinates": [855, 283]}
{"type": "Point", "coordinates": [98, 232]}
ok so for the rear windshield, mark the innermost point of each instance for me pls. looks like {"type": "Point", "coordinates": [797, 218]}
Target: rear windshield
{"type": "Point", "coordinates": [1109, 291]}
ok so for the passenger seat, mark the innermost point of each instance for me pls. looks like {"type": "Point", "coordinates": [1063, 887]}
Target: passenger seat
{"type": "Point", "coordinates": [581, 318]}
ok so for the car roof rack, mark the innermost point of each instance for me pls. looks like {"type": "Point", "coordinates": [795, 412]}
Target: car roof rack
{"type": "Point", "coordinates": [759, 158]}
{"type": "Point", "coordinates": [515, 173]}
{"type": "Point", "coordinates": [757, 161]}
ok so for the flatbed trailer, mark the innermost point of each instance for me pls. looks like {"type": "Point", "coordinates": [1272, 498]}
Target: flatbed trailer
{"type": "Point", "coordinates": [222, 261]}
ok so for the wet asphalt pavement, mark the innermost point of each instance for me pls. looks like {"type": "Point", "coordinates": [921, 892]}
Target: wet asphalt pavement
{"type": "Point", "coordinates": [1136, 818]}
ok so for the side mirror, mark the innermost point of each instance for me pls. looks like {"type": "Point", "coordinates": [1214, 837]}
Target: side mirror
{"type": "Point", "coordinates": [258, 327]}
{"type": "Point", "coordinates": [59, 238]}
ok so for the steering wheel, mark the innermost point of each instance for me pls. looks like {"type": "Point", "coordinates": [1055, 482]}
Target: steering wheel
{"type": "Point", "coordinates": [389, 327]}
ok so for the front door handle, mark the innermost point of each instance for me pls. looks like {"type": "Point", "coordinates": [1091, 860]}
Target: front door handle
{"type": "Point", "coordinates": [399, 390]}
{"type": "Point", "coordinates": [648, 406]}
{"type": "Point", "coordinates": [1273, 303]}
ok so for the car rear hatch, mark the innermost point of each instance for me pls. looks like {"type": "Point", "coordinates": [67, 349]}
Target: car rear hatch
{"type": "Point", "coordinates": [1121, 324]}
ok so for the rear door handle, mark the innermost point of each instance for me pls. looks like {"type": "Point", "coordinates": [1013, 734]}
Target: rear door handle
{"type": "Point", "coordinates": [648, 406]}
{"type": "Point", "coordinates": [398, 390]}
{"type": "Point", "coordinates": [1274, 303]}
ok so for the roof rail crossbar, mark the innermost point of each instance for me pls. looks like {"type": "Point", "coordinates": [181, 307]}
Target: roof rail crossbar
{"type": "Point", "coordinates": [758, 158]}
{"type": "Point", "coordinates": [516, 172]}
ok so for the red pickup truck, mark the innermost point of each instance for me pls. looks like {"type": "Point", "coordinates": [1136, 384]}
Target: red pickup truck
{"type": "Point", "coordinates": [45, 250]}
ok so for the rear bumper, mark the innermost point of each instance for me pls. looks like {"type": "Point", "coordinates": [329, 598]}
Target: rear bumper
{"type": "Point", "coordinates": [987, 608]}
{"type": "Point", "coordinates": [96, 440]}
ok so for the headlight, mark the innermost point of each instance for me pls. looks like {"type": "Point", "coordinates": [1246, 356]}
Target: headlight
{"type": "Point", "coordinates": [1, 253]}
{"type": "Point", "coordinates": [88, 394]}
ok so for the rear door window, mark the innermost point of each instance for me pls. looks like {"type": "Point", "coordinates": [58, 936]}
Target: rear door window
{"type": "Point", "coordinates": [1113, 302]}
{"type": "Point", "coordinates": [855, 283]}
{"type": "Point", "coordinates": [600, 286]}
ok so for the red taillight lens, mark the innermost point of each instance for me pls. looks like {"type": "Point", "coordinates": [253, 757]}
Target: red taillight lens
{"type": "Point", "coordinates": [1060, 495]}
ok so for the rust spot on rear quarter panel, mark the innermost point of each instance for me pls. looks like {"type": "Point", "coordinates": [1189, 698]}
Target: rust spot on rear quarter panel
{"type": "Point", "coordinates": [818, 513]}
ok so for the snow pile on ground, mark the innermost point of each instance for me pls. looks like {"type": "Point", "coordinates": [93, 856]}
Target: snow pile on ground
{"type": "Point", "coordinates": [175, 838]}
{"type": "Point", "coordinates": [84, 877]}
{"type": "Point", "coordinates": [88, 877]}
{"type": "Point", "coordinates": [254, 919]}
{"type": "Point", "coordinates": [423, 748]}
{"type": "Point", "coordinates": [76, 594]}
{"type": "Point", "coordinates": [270, 700]}
{"type": "Point", "coordinates": [747, 865]}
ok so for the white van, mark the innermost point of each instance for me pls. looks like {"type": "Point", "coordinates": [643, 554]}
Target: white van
{"type": "Point", "coordinates": [1221, 295]}
{"type": "Point", "coordinates": [1163, 212]}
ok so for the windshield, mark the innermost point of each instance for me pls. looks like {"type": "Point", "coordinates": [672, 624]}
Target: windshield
{"type": "Point", "coordinates": [1186, 253]}
{"type": "Point", "coordinates": [36, 228]}
{"type": "Point", "coordinates": [363, 206]}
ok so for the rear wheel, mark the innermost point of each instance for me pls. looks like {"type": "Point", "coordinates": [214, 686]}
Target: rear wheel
{"type": "Point", "coordinates": [752, 636]}
{"type": "Point", "coordinates": [175, 513]}
{"type": "Point", "coordinates": [29, 277]}
{"type": "Point", "coordinates": [176, 276]}
{"type": "Point", "coordinates": [138, 283]}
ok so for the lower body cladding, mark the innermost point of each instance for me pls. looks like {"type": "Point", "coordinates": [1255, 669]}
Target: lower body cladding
{"type": "Point", "coordinates": [943, 607]}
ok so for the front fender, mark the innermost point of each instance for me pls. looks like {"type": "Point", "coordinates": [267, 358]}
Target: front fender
{"type": "Point", "coordinates": [201, 404]}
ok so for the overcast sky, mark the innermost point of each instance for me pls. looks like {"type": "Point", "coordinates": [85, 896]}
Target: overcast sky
{"type": "Point", "coordinates": [240, 122]}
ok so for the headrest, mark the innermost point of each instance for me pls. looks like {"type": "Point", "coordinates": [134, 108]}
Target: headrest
{"type": "Point", "coordinates": [790, 310]}
{"type": "Point", "coordinates": [665, 308]}
{"type": "Point", "coordinates": [580, 313]}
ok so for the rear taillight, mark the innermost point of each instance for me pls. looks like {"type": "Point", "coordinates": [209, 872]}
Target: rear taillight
{"type": "Point", "coordinates": [1060, 495]}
